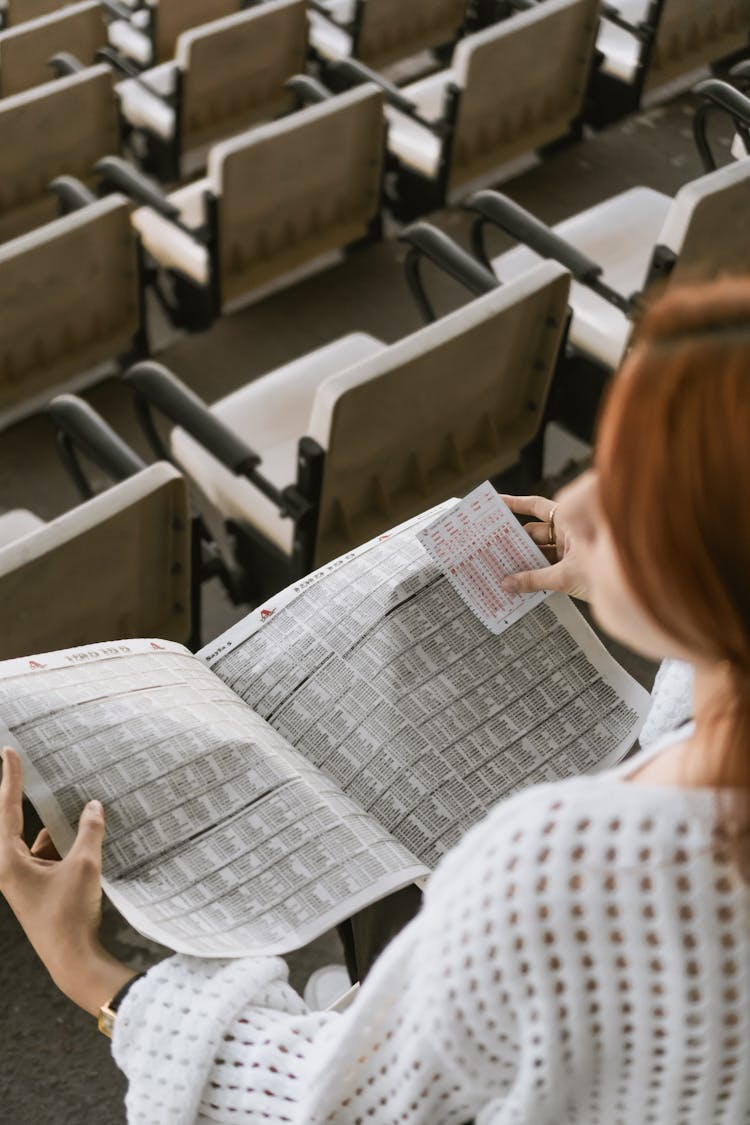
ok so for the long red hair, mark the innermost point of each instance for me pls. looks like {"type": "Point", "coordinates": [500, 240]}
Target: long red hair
{"type": "Point", "coordinates": [673, 455]}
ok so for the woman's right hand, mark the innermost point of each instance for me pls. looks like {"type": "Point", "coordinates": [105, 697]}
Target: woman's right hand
{"type": "Point", "coordinates": [564, 573]}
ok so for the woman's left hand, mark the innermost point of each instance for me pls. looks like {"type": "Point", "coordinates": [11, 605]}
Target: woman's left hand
{"type": "Point", "coordinates": [58, 901]}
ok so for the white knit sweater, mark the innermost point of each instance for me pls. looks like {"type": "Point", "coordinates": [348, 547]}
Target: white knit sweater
{"type": "Point", "coordinates": [582, 956]}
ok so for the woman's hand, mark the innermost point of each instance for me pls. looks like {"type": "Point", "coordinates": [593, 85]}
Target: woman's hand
{"type": "Point", "coordinates": [58, 901]}
{"type": "Point", "coordinates": [564, 573]}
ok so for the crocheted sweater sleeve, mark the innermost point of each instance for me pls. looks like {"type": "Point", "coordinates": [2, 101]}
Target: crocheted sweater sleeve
{"type": "Point", "coordinates": [564, 954]}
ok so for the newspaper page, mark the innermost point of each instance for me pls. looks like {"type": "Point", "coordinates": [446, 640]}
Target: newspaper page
{"type": "Point", "coordinates": [380, 674]}
{"type": "Point", "coordinates": [221, 840]}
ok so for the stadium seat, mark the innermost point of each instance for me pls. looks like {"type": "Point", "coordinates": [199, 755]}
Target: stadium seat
{"type": "Point", "coordinates": [117, 566]}
{"type": "Point", "coordinates": [150, 34]}
{"type": "Point", "coordinates": [358, 435]}
{"type": "Point", "coordinates": [618, 248]}
{"type": "Point", "coordinates": [58, 128]}
{"type": "Point", "coordinates": [504, 96]}
{"type": "Point", "coordinates": [649, 43]}
{"type": "Point", "coordinates": [19, 11]}
{"type": "Point", "coordinates": [283, 197]}
{"type": "Point", "coordinates": [380, 32]}
{"type": "Point", "coordinates": [25, 50]}
{"type": "Point", "coordinates": [71, 303]}
{"type": "Point", "coordinates": [720, 98]}
{"type": "Point", "coordinates": [227, 75]}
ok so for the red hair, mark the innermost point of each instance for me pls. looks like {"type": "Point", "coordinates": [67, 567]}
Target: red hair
{"type": "Point", "coordinates": [673, 455]}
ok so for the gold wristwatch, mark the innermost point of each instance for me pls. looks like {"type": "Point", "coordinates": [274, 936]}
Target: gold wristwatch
{"type": "Point", "coordinates": [108, 1012]}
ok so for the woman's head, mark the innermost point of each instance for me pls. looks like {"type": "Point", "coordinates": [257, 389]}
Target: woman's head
{"type": "Point", "coordinates": [664, 522]}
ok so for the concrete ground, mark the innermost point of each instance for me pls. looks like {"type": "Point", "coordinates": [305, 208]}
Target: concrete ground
{"type": "Point", "coordinates": [56, 1067]}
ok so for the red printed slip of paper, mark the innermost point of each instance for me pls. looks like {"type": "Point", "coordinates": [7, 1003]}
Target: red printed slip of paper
{"type": "Point", "coordinates": [477, 544]}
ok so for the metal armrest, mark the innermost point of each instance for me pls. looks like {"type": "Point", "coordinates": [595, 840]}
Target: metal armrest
{"type": "Point", "coordinates": [79, 427]}
{"type": "Point", "coordinates": [72, 194]}
{"type": "Point", "coordinates": [492, 207]}
{"type": "Point", "coordinates": [65, 63]}
{"type": "Point", "coordinates": [115, 10]}
{"type": "Point", "coordinates": [426, 241]}
{"type": "Point", "coordinates": [155, 385]}
{"type": "Point", "coordinates": [719, 97]}
{"type": "Point", "coordinates": [356, 73]}
{"type": "Point", "coordinates": [307, 90]}
{"type": "Point", "coordinates": [114, 59]}
{"type": "Point", "coordinates": [741, 72]}
{"type": "Point", "coordinates": [118, 175]}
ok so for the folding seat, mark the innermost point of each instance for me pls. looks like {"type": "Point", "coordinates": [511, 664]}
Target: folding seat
{"type": "Point", "coordinates": [227, 75]}
{"type": "Point", "coordinates": [505, 95]}
{"type": "Point", "coordinates": [283, 197]}
{"type": "Point", "coordinates": [25, 50]}
{"type": "Point", "coordinates": [116, 566]}
{"type": "Point", "coordinates": [646, 44]}
{"type": "Point", "coordinates": [380, 32]}
{"type": "Point", "coordinates": [58, 128]}
{"type": "Point", "coordinates": [331, 449]}
{"type": "Point", "coordinates": [70, 296]}
{"type": "Point", "coordinates": [614, 250]}
{"type": "Point", "coordinates": [19, 11]}
{"type": "Point", "coordinates": [150, 34]}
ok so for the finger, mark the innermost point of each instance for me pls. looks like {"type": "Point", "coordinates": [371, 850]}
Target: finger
{"type": "Point", "coordinates": [43, 848]}
{"type": "Point", "coordinates": [539, 532]}
{"type": "Point", "coordinates": [11, 794]}
{"type": "Point", "coordinates": [538, 506]}
{"type": "Point", "coordinates": [87, 846]}
{"type": "Point", "coordinates": [529, 581]}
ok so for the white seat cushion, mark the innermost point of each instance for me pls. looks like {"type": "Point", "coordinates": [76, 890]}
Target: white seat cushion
{"type": "Point", "coordinates": [17, 524]}
{"type": "Point", "coordinates": [131, 42]}
{"type": "Point", "coordinates": [620, 49]}
{"type": "Point", "coordinates": [327, 39]}
{"type": "Point", "coordinates": [272, 414]}
{"type": "Point", "coordinates": [149, 111]}
{"type": "Point", "coordinates": [619, 234]}
{"type": "Point", "coordinates": [414, 145]}
{"type": "Point", "coordinates": [171, 247]}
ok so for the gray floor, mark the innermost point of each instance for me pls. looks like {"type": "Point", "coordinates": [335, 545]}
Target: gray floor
{"type": "Point", "coordinates": [56, 1068]}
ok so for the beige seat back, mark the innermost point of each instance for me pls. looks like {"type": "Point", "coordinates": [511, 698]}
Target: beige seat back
{"type": "Point", "coordinates": [392, 29]}
{"type": "Point", "coordinates": [438, 412]}
{"type": "Point", "coordinates": [523, 82]}
{"type": "Point", "coordinates": [26, 49]}
{"type": "Point", "coordinates": [708, 225]}
{"type": "Point", "coordinates": [172, 17]}
{"type": "Point", "coordinates": [59, 128]}
{"type": "Point", "coordinates": [19, 11]}
{"type": "Point", "coordinates": [117, 566]}
{"type": "Point", "coordinates": [691, 35]}
{"type": "Point", "coordinates": [234, 69]}
{"type": "Point", "coordinates": [298, 188]}
{"type": "Point", "coordinates": [69, 300]}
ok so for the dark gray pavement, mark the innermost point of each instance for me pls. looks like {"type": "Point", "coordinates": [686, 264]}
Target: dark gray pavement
{"type": "Point", "coordinates": [56, 1068]}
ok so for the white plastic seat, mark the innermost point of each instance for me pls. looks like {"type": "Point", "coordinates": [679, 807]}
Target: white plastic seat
{"type": "Point", "coordinates": [276, 409]}
{"type": "Point", "coordinates": [513, 96]}
{"type": "Point", "coordinates": [227, 75]}
{"type": "Point", "coordinates": [289, 194]}
{"type": "Point", "coordinates": [16, 524]}
{"type": "Point", "coordinates": [69, 293]}
{"type": "Point", "coordinates": [689, 35]}
{"type": "Point", "coordinates": [25, 50]}
{"type": "Point", "coordinates": [132, 37]}
{"type": "Point", "coordinates": [114, 567]}
{"type": "Point", "coordinates": [704, 226]}
{"type": "Point", "coordinates": [58, 128]}
{"type": "Point", "coordinates": [402, 426]}
{"type": "Point", "coordinates": [388, 30]}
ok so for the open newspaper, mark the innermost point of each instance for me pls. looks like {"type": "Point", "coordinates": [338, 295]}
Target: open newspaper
{"type": "Point", "coordinates": [325, 751]}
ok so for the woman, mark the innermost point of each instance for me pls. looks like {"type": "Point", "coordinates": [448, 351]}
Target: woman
{"type": "Point", "coordinates": [584, 954]}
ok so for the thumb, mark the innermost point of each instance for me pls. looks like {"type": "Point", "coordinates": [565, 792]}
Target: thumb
{"type": "Point", "coordinates": [529, 581]}
{"type": "Point", "coordinates": [90, 836]}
